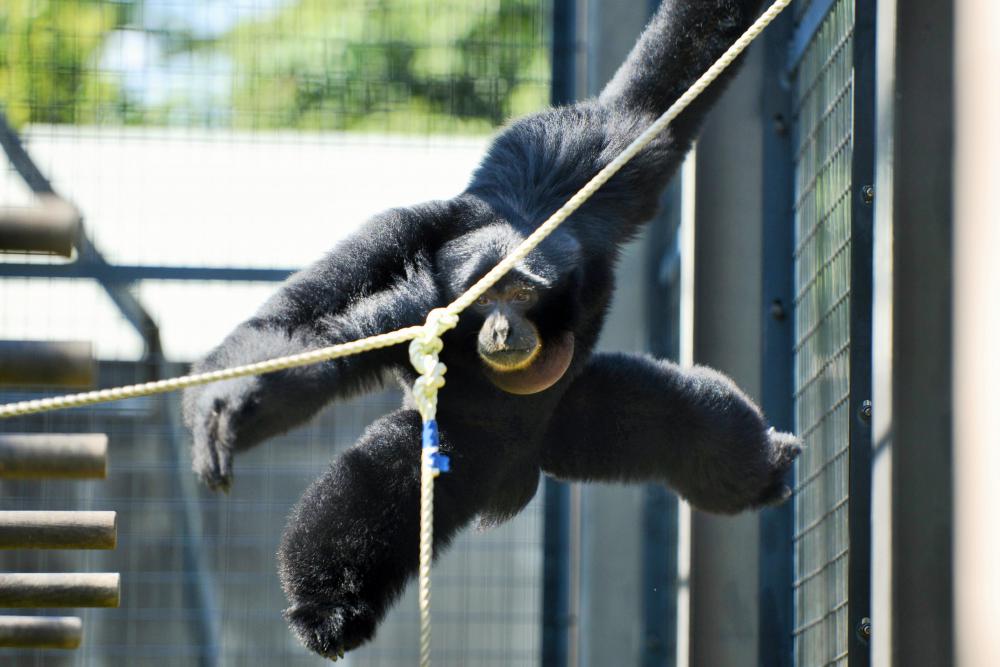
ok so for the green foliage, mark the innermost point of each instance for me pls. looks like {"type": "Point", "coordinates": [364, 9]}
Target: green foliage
{"type": "Point", "coordinates": [390, 65]}
{"type": "Point", "coordinates": [374, 65]}
{"type": "Point", "coordinates": [48, 51]}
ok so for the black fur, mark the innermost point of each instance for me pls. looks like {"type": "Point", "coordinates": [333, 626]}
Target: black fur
{"type": "Point", "coordinates": [351, 543]}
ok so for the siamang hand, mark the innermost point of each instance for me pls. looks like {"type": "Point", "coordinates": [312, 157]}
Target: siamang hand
{"type": "Point", "coordinates": [784, 448]}
{"type": "Point", "coordinates": [222, 418]}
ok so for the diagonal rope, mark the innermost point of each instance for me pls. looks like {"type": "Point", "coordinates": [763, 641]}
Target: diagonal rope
{"type": "Point", "coordinates": [457, 306]}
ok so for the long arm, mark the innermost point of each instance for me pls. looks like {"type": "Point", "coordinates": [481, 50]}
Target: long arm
{"type": "Point", "coordinates": [683, 39]}
{"type": "Point", "coordinates": [377, 281]}
{"type": "Point", "coordinates": [631, 418]}
{"type": "Point", "coordinates": [542, 160]}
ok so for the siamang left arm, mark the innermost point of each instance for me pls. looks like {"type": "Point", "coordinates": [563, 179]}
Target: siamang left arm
{"type": "Point", "coordinates": [371, 283]}
{"type": "Point", "coordinates": [540, 161]}
{"type": "Point", "coordinates": [632, 418]}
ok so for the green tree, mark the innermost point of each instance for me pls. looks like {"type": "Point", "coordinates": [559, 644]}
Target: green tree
{"type": "Point", "coordinates": [390, 65]}
{"type": "Point", "coordinates": [383, 65]}
{"type": "Point", "coordinates": [48, 50]}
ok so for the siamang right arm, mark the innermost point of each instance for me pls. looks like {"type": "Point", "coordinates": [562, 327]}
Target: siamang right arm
{"type": "Point", "coordinates": [378, 280]}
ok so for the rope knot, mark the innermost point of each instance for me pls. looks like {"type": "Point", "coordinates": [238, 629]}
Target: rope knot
{"type": "Point", "coordinates": [424, 351]}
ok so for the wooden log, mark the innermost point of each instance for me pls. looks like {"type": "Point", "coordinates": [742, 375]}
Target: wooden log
{"type": "Point", "coordinates": [40, 632]}
{"type": "Point", "coordinates": [54, 455]}
{"type": "Point", "coordinates": [90, 589]}
{"type": "Point", "coordinates": [47, 363]}
{"type": "Point", "coordinates": [58, 530]}
{"type": "Point", "coordinates": [52, 227]}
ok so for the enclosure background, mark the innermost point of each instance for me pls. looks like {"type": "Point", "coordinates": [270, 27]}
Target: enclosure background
{"type": "Point", "coordinates": [246, 135]}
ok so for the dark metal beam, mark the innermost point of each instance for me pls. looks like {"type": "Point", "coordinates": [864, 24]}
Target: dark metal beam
{"type": "Point", "coordinates": [860, 431]}
{"type": "Point", "coordinates": [123, 274]}
{"type": "Point", "coordinates": [776, 601]}
{"type": "Point", "coordinates": [806, 30]}
{"type": "Point", "coordinates": [556, 611]}
{"type": "Point", "coordinates": [20, 160]}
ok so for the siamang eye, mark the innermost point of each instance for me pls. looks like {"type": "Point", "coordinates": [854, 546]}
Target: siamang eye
{"type": "Point", "coordinates": [483, 301]}
{"type": "Point", "coordinates": [522, 296]}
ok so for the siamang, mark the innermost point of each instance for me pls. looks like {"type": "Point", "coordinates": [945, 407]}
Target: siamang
{"type": "Point", "coordinates": [525, 392]}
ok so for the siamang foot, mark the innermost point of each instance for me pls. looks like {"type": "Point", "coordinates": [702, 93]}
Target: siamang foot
{"type": "Point", "coordinates": [785, 447]}
{"type": "Point", "coordinates": [331, 630]}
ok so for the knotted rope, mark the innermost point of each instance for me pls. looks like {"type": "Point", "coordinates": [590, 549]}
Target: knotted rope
{"type": "Point", "coordinates": [424, 351]}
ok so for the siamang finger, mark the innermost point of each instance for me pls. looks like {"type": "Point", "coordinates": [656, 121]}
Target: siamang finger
{"type": "Point", "coordinates": [211, 458]}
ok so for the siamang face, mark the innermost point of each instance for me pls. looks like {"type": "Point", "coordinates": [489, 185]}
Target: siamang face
{"type": "Point", "coordinates": [516, 356]}
{"type": "Point", "coordinates": [522, 328]}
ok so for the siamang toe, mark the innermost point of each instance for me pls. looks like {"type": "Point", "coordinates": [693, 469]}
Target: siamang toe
{"type": "Point", "coordinates": [331, 630]}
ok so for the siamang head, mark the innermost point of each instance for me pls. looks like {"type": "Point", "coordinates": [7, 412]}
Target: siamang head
{"type": "Point", "coordinates": [523, 327]}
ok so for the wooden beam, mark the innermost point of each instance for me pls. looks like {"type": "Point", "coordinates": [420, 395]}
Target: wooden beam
{"type": "Point", "coordinates": [59, 590]}
{"type": "Point", "coordinates": [63, 632]}
{"type": "Point", "coordinates": [53, 455]}
{"type": "Point", "coordinates": [58, 530]}
{"type": "Point", "coordinates": [50, 227]}
{"type": "Point", "coordinates": [47, 363]}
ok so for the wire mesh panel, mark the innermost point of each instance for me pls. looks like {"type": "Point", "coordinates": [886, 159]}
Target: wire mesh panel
{"type": "Point", "coordinates": [198, 569]}
{"type": "Point", "coordinates": [245, 134]}
{"type": "Point", "coordinates": [824, 88]}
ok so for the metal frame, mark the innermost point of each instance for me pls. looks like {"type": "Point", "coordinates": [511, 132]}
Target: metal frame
{"type": "Point", "coordinates": [556, 585]}
{"type": "Point", "coordinates": [860, 381]}
{"type": "Point", "coordinates": [91, 265]}
{"type": "Point", "coordinates": [205, 623]}
{"type": "Point", "coordinates": [777, 525]}
{"type": "Point", "coordinates": [806, 30]}
{"type": "Point", "coordinates": [660, 505]}
{"type": "Point", "coordinates": [862, 219]}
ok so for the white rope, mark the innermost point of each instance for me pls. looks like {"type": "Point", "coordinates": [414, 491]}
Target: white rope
{"type": "Point", "coordinates": [427, 338]}
{"type": "Point", "coordinates": [424, 356]}
{"type": "Point", "coordinates": [185, 381]}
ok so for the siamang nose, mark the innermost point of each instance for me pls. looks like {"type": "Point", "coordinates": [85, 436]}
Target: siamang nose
{"type": "Point", "coordinates": [500, 331]}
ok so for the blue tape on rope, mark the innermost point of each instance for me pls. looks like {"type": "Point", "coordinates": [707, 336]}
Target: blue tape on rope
{"type": "Point", "coordinates": [440, 462]}
{"type": "Point", "coordinates": [430, 437]}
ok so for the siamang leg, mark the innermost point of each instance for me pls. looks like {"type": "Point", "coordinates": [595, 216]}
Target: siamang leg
{"type": "Point", "coordinates": [350, 545]}
{"type": "Point", "coordinates": [631, 418]}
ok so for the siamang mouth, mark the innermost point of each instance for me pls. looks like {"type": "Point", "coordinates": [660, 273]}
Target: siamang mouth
{"type": "Point", "coordinates": [546, 365]}
{"type": "Point", "coordinates": [510, 359]}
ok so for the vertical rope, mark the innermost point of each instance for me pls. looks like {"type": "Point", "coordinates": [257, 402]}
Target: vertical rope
{"type": "Point", "coordinates": [424, 356]}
